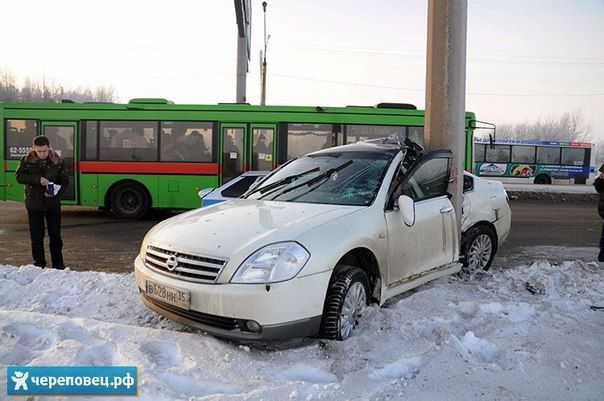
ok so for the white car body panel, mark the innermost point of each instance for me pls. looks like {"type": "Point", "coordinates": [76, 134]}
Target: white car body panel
{"type": "Point", "coordinates": [478, 207]}
{"type": "Point", "coordinates": [415, 249]}
{"type": "Point", "coordinates": [225, 236]}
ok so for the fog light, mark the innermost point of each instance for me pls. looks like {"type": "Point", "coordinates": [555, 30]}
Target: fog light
{"type": "Point", "coordinates": [253, 326]}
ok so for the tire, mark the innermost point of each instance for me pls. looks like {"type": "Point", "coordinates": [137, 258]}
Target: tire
{"type": "Point", "coordinates": [543, 179]}
{"type": "Point", "coordinates": [477, 241]}
{"type": "Point", "coordinates": [350, 286]}
{"type": "Point", "coordinates": [129, 201]}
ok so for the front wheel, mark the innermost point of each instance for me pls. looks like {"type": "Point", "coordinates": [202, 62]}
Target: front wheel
{"type": "Point", "coordinates": [345, 302]}
{"type": "Point", "coordinates": [478, 248]}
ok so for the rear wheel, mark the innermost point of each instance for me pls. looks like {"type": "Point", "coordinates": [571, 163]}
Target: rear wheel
{"type": "Point", "coordinates": [345, 302]}
{"type": "Point", "coordinates": [478, 248]}
{"type": "Point", "coordinates": [129, 201]}
{"type": "Point", "coordinates": [543, 179]}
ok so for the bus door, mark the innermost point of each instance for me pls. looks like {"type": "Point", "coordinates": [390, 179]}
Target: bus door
{"type": "Point", "coordinates": [233, 154]}
{"type": "Point", "coordinates": [63, 140]}
{"type": "Point", "coordinates": [263, 149]}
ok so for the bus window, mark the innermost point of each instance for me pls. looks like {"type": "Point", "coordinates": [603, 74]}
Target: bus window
{"type": "Point", "coordinates": [573, 157]}
{"type": "Point", "coordinates": [498, 154]}
{"type": "Point", "coordinates": [19, 137]}
{"type": "Point", "coordinates": [478, 153]}
{"type": "Point", "coordinates": [548, 155]}
{"type": "Point", "coordinates": [186, 141]}
{"type": "Point", "coordinates": [232, 153]}
{"type": "Point", "coordinates": [262, 149]}
{"type": "Point", "coordinates": [357, 133]}
{"type": "Point", "coordinates": [128, 140]}
{"type": "Point", "coordinates": [416, 134]}
{"type": "Point", "coordinates": [305, 138]}
{"type": "Point", "coordinates": [523, 154]}
{"type": "Point", "coordinates": [90, 139]}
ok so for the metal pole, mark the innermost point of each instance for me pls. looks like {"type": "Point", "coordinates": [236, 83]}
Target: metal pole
{"type": "Point", "coordinates": [241, 69]}
{"type": "Point", "coordinates": [263, 72]}
{"type": "Point", "coordinates": [446, 86]}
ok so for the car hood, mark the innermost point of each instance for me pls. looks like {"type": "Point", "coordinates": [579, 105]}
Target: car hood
{"type": "Point", "coordinates": [229, 227]}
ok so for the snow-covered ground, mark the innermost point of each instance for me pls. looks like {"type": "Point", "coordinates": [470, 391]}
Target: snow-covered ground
{"type": "Point", "coordinates": [481, 338]}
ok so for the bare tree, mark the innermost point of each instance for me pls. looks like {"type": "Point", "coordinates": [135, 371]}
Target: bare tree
{"type": "Point", "coordinates": [570, 126]}
{"type": "Point", "coordinates": [50, 91]}
{"type": "Point", "coordinates": [8, 85]}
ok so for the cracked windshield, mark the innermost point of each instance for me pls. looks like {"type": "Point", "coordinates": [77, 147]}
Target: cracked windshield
{"type": "Point", "coordinates": [333, 178]}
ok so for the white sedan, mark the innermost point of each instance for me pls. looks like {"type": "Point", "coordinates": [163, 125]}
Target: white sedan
{"type": "Point", "coordinates": [311, 245]}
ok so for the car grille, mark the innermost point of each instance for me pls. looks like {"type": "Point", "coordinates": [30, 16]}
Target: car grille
{"type": "Point", "coordinates": [220, 322]}
{"type": "Point", "coordinates": [201, 269]}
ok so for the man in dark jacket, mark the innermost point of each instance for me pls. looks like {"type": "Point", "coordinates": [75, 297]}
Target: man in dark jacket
{"type": "Point", "coordinates": [599, 184]}
{"type": "Point", "coordinates": [40, 171]}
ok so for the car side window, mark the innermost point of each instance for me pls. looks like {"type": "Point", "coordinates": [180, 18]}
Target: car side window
{"type": "Point", "coordinates": [240, 187]}
{"type": "Point", "coordinates": [430, 180]}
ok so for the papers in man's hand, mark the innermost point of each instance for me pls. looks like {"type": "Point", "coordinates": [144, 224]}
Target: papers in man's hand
{"type": "Point", "coordinates": [52, 189]}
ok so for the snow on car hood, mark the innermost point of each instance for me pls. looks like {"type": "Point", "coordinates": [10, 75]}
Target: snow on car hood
{"type": "Point", "coordinates": [226, 228]}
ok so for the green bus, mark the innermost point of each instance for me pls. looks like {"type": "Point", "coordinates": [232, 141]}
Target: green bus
{"type": "Point", "coordinates": [151, 153]}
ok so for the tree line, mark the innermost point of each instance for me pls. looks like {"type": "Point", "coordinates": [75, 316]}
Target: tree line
{"type": "Point", "coordinates": [31, 90]}
{"type": "Point", "coordinates": [570, 126]}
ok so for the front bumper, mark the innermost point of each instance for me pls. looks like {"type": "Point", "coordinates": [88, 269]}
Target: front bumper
{"type": "Point", "coordinates": [283, 310]}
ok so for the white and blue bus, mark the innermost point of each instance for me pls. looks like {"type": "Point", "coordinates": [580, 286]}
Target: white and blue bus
{"type": "Point", "coordinates": [539, 162]}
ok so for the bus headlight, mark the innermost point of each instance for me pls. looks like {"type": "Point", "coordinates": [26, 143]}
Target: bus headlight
{"type": "Point", "coordinates": [273, 263]}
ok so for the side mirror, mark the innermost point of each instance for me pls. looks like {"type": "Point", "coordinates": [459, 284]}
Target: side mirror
{"type": "Point", "coordinates": [406, 206]}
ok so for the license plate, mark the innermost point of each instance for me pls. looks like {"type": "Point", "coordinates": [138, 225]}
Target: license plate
{"type": "Point", "coordinates": [170, 295]}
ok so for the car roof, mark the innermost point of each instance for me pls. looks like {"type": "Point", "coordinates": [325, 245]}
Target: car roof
{"type": "Point", "coordinates": [255, 173]}
{"type": "Point", "coordinates": [372, 146]}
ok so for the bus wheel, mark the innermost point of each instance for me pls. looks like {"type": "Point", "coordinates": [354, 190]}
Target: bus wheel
{"type": "Point", "coordinates": [543, 179]}
{"type": "Point", "coordinates": [129, 201]}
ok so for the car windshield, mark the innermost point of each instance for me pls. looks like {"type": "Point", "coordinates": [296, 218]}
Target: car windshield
{"type": "Point", "coordinates": [344, 178]}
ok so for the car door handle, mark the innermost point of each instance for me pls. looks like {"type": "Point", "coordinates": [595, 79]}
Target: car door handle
{"type": "Point", "coordinates": [446, 209]}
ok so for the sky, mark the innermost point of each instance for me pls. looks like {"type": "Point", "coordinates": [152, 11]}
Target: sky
{"type": "Point", "coordinates": [525, 59]}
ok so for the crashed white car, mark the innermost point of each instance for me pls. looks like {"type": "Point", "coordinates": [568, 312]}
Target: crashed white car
{"type": "Point", "coordinates": [311, 245]}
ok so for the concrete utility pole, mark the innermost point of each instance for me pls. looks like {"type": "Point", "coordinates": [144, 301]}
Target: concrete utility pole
{"type": "Point", "coordinates": [241, 70]}
{"type": "Point", "coordinates": [263, 62]}
{"type": "Point", "coordinates": [243, 16]}
{"type": "Point", "coordinates": [446, 87]}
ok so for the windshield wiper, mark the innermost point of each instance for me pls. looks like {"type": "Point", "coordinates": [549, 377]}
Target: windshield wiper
{"type": "Point", "coordinates": [282, 181]}
{"type": "Point", "coordinates": [312, 181]}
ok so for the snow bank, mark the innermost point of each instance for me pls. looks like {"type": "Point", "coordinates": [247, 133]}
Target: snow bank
{"type": "Point", "coordinates": [528, 331]}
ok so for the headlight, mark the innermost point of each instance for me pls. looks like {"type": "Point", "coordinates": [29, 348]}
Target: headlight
{"type": "Point", "coordinates": [273, 263]}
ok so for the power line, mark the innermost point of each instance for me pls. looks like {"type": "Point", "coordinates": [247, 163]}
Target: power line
{"type": "Point", "coordinates": [422, 90]}
{"type": "Point", "coordinates": [417, 53]}
{"type": "Point", "coordinates": [339, 61]}
{"type": "Point", "coordinates": [491, 59]}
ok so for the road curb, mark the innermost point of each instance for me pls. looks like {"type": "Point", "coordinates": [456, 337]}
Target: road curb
{"type": "Point", "coordinates": [553, 196]}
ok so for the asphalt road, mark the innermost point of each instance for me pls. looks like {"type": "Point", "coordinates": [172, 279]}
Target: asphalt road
{"type": "Point", "coordinates": [96, 240]}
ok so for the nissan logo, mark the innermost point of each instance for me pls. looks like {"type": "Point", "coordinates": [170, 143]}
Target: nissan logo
{"type": "Point", "coordinates": [172, 263]}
